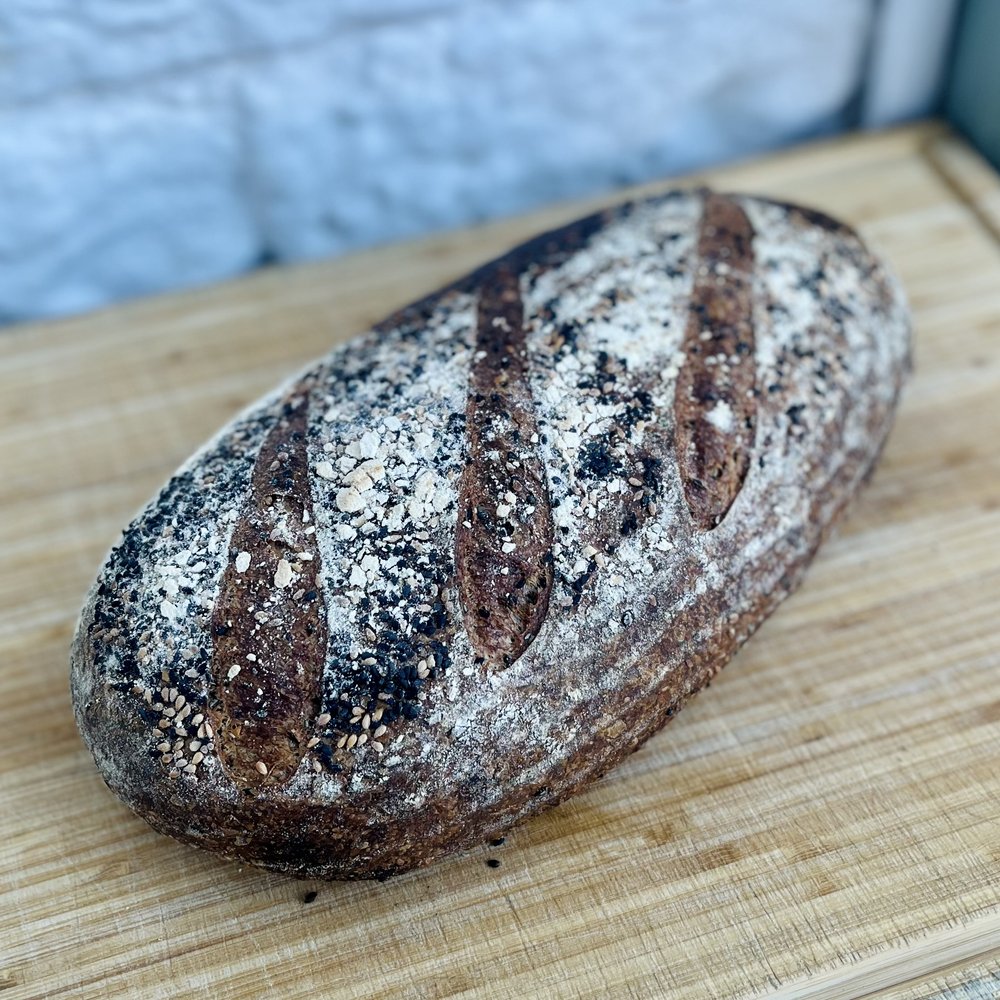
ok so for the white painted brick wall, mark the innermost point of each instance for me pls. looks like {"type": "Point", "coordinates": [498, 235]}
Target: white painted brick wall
{"type": "Point", "coordinates": [150, 144]}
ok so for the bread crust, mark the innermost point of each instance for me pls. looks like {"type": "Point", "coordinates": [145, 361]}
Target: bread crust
{"type": "Point", "coordinates": [468, 562]}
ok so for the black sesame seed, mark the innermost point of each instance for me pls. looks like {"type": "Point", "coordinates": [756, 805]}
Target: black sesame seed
{"type": "Point", "coordinates": [493, 862]}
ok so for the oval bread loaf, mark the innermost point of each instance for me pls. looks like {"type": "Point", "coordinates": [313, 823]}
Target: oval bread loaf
{"type": "Point", "coordinates": [469, 561]}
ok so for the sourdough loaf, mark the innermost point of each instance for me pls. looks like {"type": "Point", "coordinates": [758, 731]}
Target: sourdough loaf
{"type": "Point", "coordinates": [469, 561]}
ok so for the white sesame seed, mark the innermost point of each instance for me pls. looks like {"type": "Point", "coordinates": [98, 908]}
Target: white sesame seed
{"type": "Point", "coordinates": [198, 758]}
{"type": "Point", "coordinates": [377, 746]}
{"type": "Point", "coordinates": [261, 767]}
{"type": "Point", "coordinates": [197, 719]}
{"type": "Point", "coordinates": [366, 721]}
{"type": "Point", "coordinates": [379, 732]}
{"type": "Point", "coordinates": [362, 739]}
{"type": "Point", "coordinates": [311, 742]}
{"type": "Point", "coordinates": [323, 719]}
{"type": "Point", "coordinates": [233, 671]}
{"type": "Point", "coordinates": [283, 574]}
{"type": "Point", "coordinates": [351, 741]}
{"type": "Point", "coordinates": [341, 742]}
{"type": "Point", "coordinates": [350, 500]}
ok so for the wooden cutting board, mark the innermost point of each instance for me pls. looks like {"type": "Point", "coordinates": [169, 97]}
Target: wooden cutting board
{"type": "Point", "coordinates": [822, 823]}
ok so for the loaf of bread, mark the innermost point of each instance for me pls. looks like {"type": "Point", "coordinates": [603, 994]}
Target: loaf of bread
{"type": "Point", "coordinates": [466, 563]}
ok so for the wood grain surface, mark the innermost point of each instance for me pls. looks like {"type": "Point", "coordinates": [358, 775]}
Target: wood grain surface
{"type": "Point", "coordinates": [821, 823]}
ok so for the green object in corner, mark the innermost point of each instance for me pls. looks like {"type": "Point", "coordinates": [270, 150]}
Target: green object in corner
{"type": "Point", "coordinates": [973, 101]}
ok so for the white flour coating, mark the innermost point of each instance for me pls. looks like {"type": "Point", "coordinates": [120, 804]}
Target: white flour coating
{"type": "Point", "coordinates": [604, 335]}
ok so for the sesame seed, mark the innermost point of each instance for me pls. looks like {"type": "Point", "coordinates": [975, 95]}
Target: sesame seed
{"type": "Point", "coordinates": [341, 742]}
{"type": "Point", "coordinates": [362, 739]}
{"type": "Point", "coordinates": [377, 746]}
{"type": "Point", "coordinates": [351, 741]}
{"type": "Point", "coordinates": [163, 747]}
{"type": "Point", "coordinates": [349, 500]}
{"type": "Point", "coordinates": [198, 758]}
{"type": "Point", "coordinates": [311, 742]}
{"type": "Point", "coordinates": [283, 574]}
{"type": "Point", "coordinates": [379, 732]}
{"type": "Point", "coordinates": [366, 721]}
{"type": "Point", "coordinates": [323, 719]}
{"type": "Point", "coordinates": [233, 671]}
{"type": "Point", "coordinates": [261, 767]}
{"type": "Point", "coordinates": [197, 719]}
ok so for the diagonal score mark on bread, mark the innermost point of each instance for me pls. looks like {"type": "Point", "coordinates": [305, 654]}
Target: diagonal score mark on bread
{"type": "Point", "coordinates": [503, 540]}
{"type": "Point", "coordinates": [269, 622]}
{"type": "Point", "coordinates": [714, 404]}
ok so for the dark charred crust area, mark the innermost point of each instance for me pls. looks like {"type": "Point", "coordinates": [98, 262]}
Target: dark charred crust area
{"type": "Point", "coordinates": [539, 254]}
{"type": "Point", "coordinates": [810, 217]}
{"type": "Point", "coordinates": [269, 621]}
{"type": "Point", "coordinates": [714, 405]}
{"type": "Point", "coordinates": [503, 540]}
